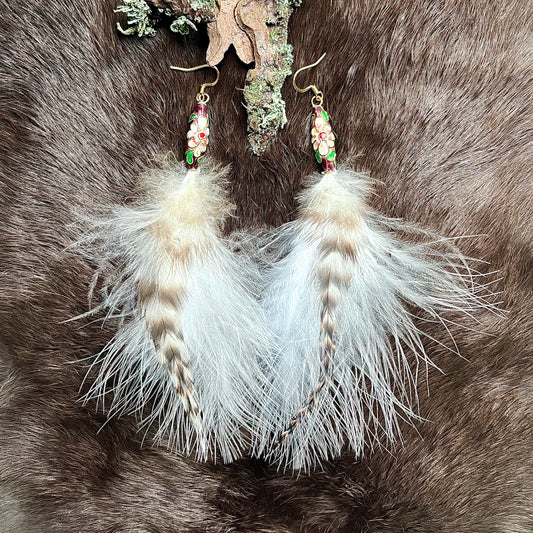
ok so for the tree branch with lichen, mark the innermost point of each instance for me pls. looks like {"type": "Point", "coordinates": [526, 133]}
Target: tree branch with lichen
{"type": "Point", "coordinates": [266, 23]}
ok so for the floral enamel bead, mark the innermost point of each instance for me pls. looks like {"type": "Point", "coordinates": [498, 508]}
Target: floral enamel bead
{"type": "Point", "coordinates": [197, 136]}
{"type": "Point", "coordinates": [323, 139]}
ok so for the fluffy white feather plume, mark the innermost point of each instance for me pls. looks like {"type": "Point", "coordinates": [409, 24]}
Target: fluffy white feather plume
{"type": "Point", "coordinates": [339, 298]}
{"type": "Point", "coordinates": [190, 352]}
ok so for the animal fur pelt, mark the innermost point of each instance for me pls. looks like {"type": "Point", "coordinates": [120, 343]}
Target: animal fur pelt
{"type": "Point", "coordinates": [433, 99]}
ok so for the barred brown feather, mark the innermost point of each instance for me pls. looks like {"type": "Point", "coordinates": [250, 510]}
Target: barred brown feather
{"type": "Point", "coordinates": [335, 225]}
{"type": "Point", "coordinates": [161, 308]}
{"type": "Point", "coordinates": [190, 354]}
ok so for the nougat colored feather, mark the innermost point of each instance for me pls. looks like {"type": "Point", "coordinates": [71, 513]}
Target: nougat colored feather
{"type": "Point", "coordinates": [189, 354]}
{"type": "Point", "coordinates": [340, 298]}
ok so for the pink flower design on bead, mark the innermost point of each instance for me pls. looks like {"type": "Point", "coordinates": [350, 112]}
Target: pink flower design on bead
{"type": "Point", "coordinates": [322, 136]}
{"type": "Point", "coordinates": [197, 135]}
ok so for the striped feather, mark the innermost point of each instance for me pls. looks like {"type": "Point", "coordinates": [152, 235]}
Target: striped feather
{"type": "Point", "coordinates": [191, 345]}
{"type": "Point", "coordinates": [339, 296]}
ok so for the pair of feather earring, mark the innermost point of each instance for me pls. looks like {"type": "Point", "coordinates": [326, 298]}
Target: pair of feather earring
{"type": "Point", "coordinates": [291, 352]}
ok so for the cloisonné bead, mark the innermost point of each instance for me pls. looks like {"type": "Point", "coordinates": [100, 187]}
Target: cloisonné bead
{"type": "Point", "coordinates": [197, 136]}
{"type": "Point", "coordinates": [323, 139]}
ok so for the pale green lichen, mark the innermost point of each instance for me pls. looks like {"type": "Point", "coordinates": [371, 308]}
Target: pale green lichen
{"type": "Point", "coordinates": [203, 5]}
{"type": "Point", "coordinates": [138, 18]}
{"type": "Point", "coordinates": [165, 11]}
{"type": "Point", "coordinates": [141, 19]}
{"type": "Point", "coordinates": [182, 25]}
{"type": "Point", "coordinates": [266, 109]}
{"type": "Point", "coordinates": [284, 9]}
{"type": "Point", "coordinates": [265, 105]}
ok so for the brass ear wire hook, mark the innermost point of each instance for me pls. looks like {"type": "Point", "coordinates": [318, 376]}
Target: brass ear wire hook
{"type": "Point", "coordinates": [318, 97]}
{"type": "Point", "coordinates": [202, 97]}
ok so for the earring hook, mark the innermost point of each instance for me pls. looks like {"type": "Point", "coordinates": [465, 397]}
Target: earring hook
{"type": "Point", "coordinates": [318, 95]}
{"type": "Point", "coordinates": [202, 96]}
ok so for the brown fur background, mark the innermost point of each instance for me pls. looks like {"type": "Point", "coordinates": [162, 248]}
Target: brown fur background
{"type": "Point", "coordinates": [434, 98]}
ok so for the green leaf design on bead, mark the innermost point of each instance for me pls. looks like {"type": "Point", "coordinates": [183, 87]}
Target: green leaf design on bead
{"type": "Point", "coordinates": [325, 115]}
{"type": "Point", "coordinates": [331, 156]}
{"type": "Point", "coordinates": [318, 156]}
{"type": "Point", "coordinates": [193, 116]}
{"type": "Point", "coordinates": [189, 156]}
{"type": "Point", "coordinates": [200, 160]}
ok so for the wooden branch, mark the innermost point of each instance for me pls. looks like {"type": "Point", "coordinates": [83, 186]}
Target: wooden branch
{"type": "Point", "coordinates": [226, 31]}
{"type": "Point", "coordinates": [266, 23]}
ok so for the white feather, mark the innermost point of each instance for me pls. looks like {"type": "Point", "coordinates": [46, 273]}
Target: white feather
{"type": "Point", "coordinates": [171, 240]}
{"type": "Point", "coordinates": [371, 385]}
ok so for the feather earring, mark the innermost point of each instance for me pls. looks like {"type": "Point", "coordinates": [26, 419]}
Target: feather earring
{"type": "Point", "coordinates": [189, 355]}
{"type": "Point", "coordinates": [340, 298]}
